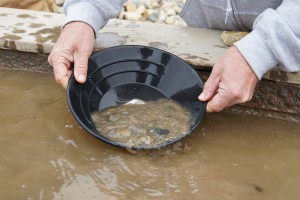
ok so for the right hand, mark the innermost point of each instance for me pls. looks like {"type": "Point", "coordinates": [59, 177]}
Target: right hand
{"type": "Point", "coordinates": [74, 45]}
{"type": "Point", "coordinates": [231, 82]}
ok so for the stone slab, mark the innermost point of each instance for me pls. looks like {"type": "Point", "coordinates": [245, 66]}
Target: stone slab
{"type": "Point", "coordinates": [34, 31]}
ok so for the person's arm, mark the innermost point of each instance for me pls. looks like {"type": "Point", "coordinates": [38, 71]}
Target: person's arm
{"type": "Point", "coordinates": [76, 41]}
{"type": "Point", "coordinates": [275, 40]}
{"type": "Point", "coordinates": [96, 13]}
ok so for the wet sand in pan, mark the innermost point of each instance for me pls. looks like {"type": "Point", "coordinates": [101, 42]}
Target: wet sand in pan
{"type": "Point", "coordinates": [146, 125]}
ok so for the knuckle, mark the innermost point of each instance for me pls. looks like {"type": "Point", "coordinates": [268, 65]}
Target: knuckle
{"type": "Point", "coordinates": [80, 67]}
{"type": "Point", "coordinates": [50, 59]}
{"type": "Point", "coordinates": [247, 97]}
{"type": "Point", "coordinates": [217, 108]}
{"type": "Point", "coordinates": [238, 94]}
{"type": "Point", "coordinates": [208, 86]}
{"type": "Point", "coordinates": [216, 71]}
{"type": "Point", "coordinates": [242, 98]}
{"type": "Point", "coordinates": [250, 97]}
{"type": "Point", "coordinates": [61, 80]}
{"type": "Point", "coordinates": [233, 94]}
{"type": "Point", "coordinates": [58, 80]}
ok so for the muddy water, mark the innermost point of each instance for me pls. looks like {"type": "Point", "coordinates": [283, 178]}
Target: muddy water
{"type": "Point", "coordinates": [45, 155]}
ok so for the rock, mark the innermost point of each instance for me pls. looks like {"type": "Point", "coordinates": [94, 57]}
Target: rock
{"type": "Point", "coordinates": [60, 9]}
{"type": "Point", "coordinates": [151, 15]}
{"type": "Point", "coordinates": [168, 5]}
{"type": "Point", "coordinates": [157, 11]}
{"type": "Point", "coordinates": [132, 16]}
{"type": "Point", "coordinates": [59, 2]}
{"type": "Point", "coordinates": [137, 2]}
{"type": "Point", "coordinates": [162, 16]}
{"type": "Point", "coordinates": [151, 4]}
{"type": "Point", "coordinates": [230, 37]}
{"type": "Point", "coordinates": [170, 20]}
{"type": "Point", "coordinates": [170, 12]}
{"type": "Point", "coordinates": [130, 7]}
{"type": "Point", "coordinates": [141, 9]}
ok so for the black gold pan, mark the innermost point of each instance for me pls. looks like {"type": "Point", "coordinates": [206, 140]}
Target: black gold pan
{"type": "Point", "coordinates": [119, 74]}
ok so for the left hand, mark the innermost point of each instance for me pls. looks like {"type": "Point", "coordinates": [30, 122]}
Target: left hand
{"type": "Point", "coordinates": [232, 81]}
{"type": "Point", "coordinates": [74, 45]}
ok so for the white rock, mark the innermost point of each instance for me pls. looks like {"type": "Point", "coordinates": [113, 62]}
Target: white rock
{"type": "Point", "coordinates": [132, 16]}
{"type": "Point", "coordinates": [170, 20]}
{"type": "Point", "coordinates": [130, 7]}
{"type": "Point", "coordinates": [158, 11]}
{"type": "Point", "coordinates": [170, 12]}
{"type": "Point", "coordinates": [141, 9]}
{"type": "Point", "coordinates": [59, 2]}
{"type": "Point", "coordinates": [162, 16]}
{"type": "Point", "coordinates": [154, 16]}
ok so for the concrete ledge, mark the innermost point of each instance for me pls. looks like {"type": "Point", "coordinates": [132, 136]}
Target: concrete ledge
{"type": "Point", "coordinates": [26, 37]}
{"type": "Point", "coordinates": [24, 61]}
{"type": "Point", "coordinates": [33, 31]}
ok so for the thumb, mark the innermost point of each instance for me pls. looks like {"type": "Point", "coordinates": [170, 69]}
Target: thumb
{"type": "Point", "coordinates": [218, 103]}
{"type": "Point", "coordinates": [211, 85]}
{"type": "Point", "coordinates": [80, 66]}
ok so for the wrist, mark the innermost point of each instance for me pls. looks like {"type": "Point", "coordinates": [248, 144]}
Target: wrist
{"type": "Point", "coordinates": [254, 48]}
{"type": "Point", "coordinates": [79, 26]}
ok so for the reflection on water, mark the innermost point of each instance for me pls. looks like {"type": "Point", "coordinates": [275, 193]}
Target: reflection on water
{"type": "Point", "coordinates": [44, 154]}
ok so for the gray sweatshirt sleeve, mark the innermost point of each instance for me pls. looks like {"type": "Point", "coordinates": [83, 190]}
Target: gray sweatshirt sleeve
{"type": "Point", "coordinates": [96, 13]}
{"type": "Point", "coordinates": [275, 39]}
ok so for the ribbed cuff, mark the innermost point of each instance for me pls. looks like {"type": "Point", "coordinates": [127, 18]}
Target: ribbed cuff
{"type": "Point", "coordinates": [255, 49]}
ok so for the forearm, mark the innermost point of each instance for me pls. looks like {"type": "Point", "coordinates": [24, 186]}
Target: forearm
{"type": "Point", "coordinates": [275, 39]}
{"type": "Point", "coordinates": [96, 13]}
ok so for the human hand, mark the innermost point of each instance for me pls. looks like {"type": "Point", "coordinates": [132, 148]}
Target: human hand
{"type": "Point", "coordinates": [74, 45]}
{"type": "Point", "coordinates": [232, 81]}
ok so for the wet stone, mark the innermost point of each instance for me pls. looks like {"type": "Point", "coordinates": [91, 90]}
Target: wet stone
{"type": "Point", "coordinates": [24, 16]}
{"type": "Point", "coordinates": [36, 25]}
{"type": "Point", "coordinates": [19, 31]}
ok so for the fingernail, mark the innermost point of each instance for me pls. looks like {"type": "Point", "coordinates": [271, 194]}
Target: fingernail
{"type": "Point", "coordinates": [81, 78]}
{"type": "Point", "coordinates": [202, 97]}
{"type": "Point", "coordinates": [208, 109]}
{"type": "Point", "coordinates": [65, 84]}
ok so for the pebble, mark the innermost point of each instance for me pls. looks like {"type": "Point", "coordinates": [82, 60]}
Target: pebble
{"type": "Point", "coordinates": [59, 2]}
{"type": "Point", "coordinates": [230, 37]}
{"type": "Point", "coordinates": [156, 11]}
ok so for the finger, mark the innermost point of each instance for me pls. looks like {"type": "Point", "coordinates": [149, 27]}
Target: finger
{"type": "Point", "coordinates": [80, 66]}
{"type": "Point", "coordinates": [64, 82]}
{"type": "Point", "coordinates": [218, 103]}
{"type": "Point", "coordinates": [211, 85]}
{"type": "Point", "coordinates": [50, 60]}
{"type": "Point", "coordinates": [61, 74]}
